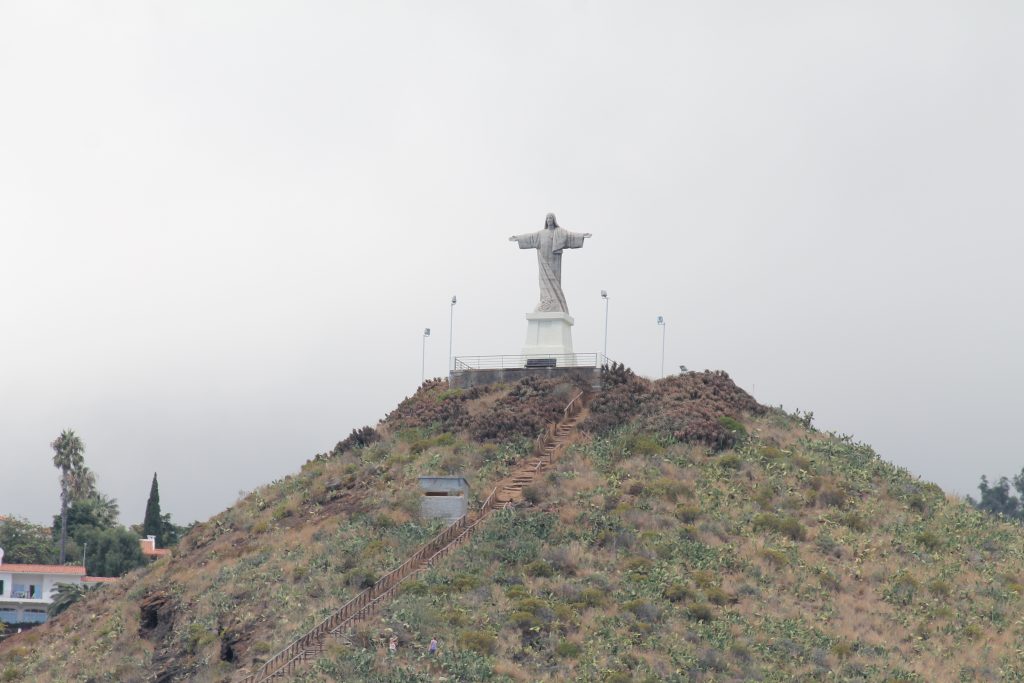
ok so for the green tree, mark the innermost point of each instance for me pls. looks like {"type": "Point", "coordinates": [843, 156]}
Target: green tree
{"type": "Point", "coordinates": [26, 543]}
{"type": "Point", "coordinates": [998, 499]}
{"type": "Point", "coordinates": [68, 457]}
{"type": "Point", "coordinates": [96, 511]}
{"type": "Point", "coordinates": [111, 552]}
{"type": "Point", "coordinates": [152, 524]}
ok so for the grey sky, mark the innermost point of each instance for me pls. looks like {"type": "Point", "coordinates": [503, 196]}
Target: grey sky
{"type": "Point", "coordinates": [223, 226]}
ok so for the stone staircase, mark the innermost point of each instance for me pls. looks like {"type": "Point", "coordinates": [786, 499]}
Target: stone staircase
{"type": "Point", "coordinates": [510, 490]}
{"type": "Point", "coordinates": [505, 495]}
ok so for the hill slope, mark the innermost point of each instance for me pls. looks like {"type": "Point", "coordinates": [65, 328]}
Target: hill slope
{"type": "Point", "coordinates": [690, 534]}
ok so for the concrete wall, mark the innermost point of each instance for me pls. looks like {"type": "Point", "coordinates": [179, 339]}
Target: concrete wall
{"type": "Point", "coordinates": [464, 379]}
{"type": "Point", "coordinates": [446, 507]}
{"type": "Point", "coordinates": [449, 499]}
{"type": "Point", "coordinates": [445, 484]}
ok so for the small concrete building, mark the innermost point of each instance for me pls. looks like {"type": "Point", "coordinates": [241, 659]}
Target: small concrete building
{"type": "Point", "coordinates": [444, 497]}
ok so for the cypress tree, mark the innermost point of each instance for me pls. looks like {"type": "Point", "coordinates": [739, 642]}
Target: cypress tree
{"type": "Point", "coordinates": [152, 525]}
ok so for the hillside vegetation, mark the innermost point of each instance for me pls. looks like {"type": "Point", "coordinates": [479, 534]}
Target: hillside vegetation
{"type": "Point", "coordinates": [690, 534]}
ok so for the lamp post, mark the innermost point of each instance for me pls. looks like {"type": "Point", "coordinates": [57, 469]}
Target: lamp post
{"type": "Point", "coordinates": [451, 326]}
{"type": "Point", "coordinates": [604, 295]}
{"type": "Point", "coordinates": [423, 362]}
{"type": "Point", "coordinates": [661, 321]}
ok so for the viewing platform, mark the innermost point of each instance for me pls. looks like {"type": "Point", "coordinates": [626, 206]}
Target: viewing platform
{"type": "Point", "coordinates": [471, 371]}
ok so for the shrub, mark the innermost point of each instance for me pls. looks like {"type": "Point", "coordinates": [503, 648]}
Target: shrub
{"type": "Point", "coordinates": [359, 438]}
{"type": "Point", "coordinates": [785, 525]}
{"type": "Point", "coordinates": [480, 642]}
{"type": "Point", "coordinates": [686, 407]}
{"type": "Point", "coordinates": [832, 496]}
{"type": "Point", "coordinates": [560, 559]}
{"type": "Point", "coordinates": [764, 497]}
{"type": "Point", "coordinates": [827, 544]}
{"type": "Point", "coordinates": [567, 649]}
{"type": "Point", "coordinates": [671, 489]}
{"type": "Point", "coordinates": [828, 579]}
{"type": "Point", "coordinates": [678, 592]}
{"type": "Point", "coordinates": [842, 649]}
{"type": "Point", "coordinates": [643, 610]}
{"type": "Point", "coordinates": [687, 513]}
{"type": "Point", "coordinates": [730, 461]}
{"type": "Point", "coordinates": [635, 488]}
{"type": "Point", "coordinates": [775, 557]}
{"type": "Point", "coordinates": [593, 597]}
{"type": "Point", "coordinates": [524, 621]}
{"type": "Point", "coordinates": [539, 568]}
{"type": "Point", "coordinates": [642, 444]}
{"type": "Point", "coordinates": [855, 522]}
{"type": "Point", "coordinates": [465, 582]}
{"type": "Point", "coordinates": [621, 398]}
{"type": "Point", "coordinates": [800, 462]}
{"type": "Point", "coordinates": [929, 540]}
{"type": "Point", "coordinates": [360, 578]}
{"type": "Point", "coordinates": [532, 494]}
{"type": "Point", "coordinates": [717, 596]}
{"type": "Point", "coordinates": [973, 631]}
{"type": "Point", "coordinates": [637, 563]}
{"type": "Point", "coordinates": [901, 590]}
{"type": "Point", "coordinates": [734, 426]}
{"type": "Point", "coordinates": [524, 412]}
{"type": "Point", "coordinates": [699, 612]}
{"type": "Point", "coordinates": [433, 407]}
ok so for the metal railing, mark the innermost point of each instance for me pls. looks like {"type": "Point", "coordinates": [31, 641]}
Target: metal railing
{"type": "Point", "coordinates": [574, 406]}
{"type": "Point", "coordinates": [568, 360]}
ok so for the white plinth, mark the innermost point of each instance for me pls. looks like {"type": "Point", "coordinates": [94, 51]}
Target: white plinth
{"type": "Point", "coordinates": [548, 334]}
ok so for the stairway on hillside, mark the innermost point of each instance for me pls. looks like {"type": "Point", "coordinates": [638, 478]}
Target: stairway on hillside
{"type": "Point", "coordinates": [506, 494]}
{"type": "Point", "coordinates": [510, 490]}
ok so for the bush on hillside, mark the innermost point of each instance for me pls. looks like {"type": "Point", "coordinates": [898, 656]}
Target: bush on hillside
{"type": "Point", "coordinates": [524, 412]}
{"type": "Point", "coordinates": [621, 398]}
{"type": "Point", "coordinates": [359, 438]}
{"type": "Point", "coordinates": [434, 407]}
{"type": "Point", "coordinates": [697, 407]}
{"type": "Point", "coordinates": [787, 526]}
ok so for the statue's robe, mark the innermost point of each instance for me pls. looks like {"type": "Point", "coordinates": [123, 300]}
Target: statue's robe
{"type": "Point", "coordinates": [549, 244]}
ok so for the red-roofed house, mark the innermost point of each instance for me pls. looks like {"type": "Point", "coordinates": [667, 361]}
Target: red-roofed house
{"type": "Point", "coordinates": [26, 590]}
{"type": "Point", "coordinates": [149, 549]}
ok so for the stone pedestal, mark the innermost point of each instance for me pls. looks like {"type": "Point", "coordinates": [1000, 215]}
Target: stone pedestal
{"type": "Point", "coordinates": [547, 335]}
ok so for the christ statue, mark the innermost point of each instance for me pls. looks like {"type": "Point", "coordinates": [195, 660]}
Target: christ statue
{"type": "Point", "coordinates": [549, 244]}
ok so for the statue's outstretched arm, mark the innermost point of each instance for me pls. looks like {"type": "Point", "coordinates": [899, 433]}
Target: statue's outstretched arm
{"type": "Point", "coordinates": [513, 238]}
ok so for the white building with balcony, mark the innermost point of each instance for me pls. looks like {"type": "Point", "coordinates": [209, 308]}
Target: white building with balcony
{"type": "Point", "coordinates": [26, 590]}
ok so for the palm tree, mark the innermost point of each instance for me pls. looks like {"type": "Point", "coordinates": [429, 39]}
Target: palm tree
{"type": "Point", "coordinates": [67, 595]}
{"type": "Point", "coordinates": [68, 458]}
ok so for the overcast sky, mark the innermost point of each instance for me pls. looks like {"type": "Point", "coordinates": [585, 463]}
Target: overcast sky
{"type": "Point", "coordinates": [224, 225]}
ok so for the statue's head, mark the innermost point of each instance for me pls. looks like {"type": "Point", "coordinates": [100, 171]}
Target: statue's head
{"type": "Point", "coordinates": [550, 223]}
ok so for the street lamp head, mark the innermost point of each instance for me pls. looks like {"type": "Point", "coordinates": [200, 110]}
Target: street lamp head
{"type": "Point", "coordinates": [661, 320]}
{"type": "Point", "coordinates": [426, 332]}
{"type": "Point", "coordinates": [604, 294]}
{"type": "Point", "coordinates": [453, 300]}
{"type": "Point", "coordinates": [683, 370]}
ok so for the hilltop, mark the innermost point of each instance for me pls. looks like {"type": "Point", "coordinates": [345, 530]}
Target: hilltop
{"type": "Point", "coordinates": [688, 534]}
